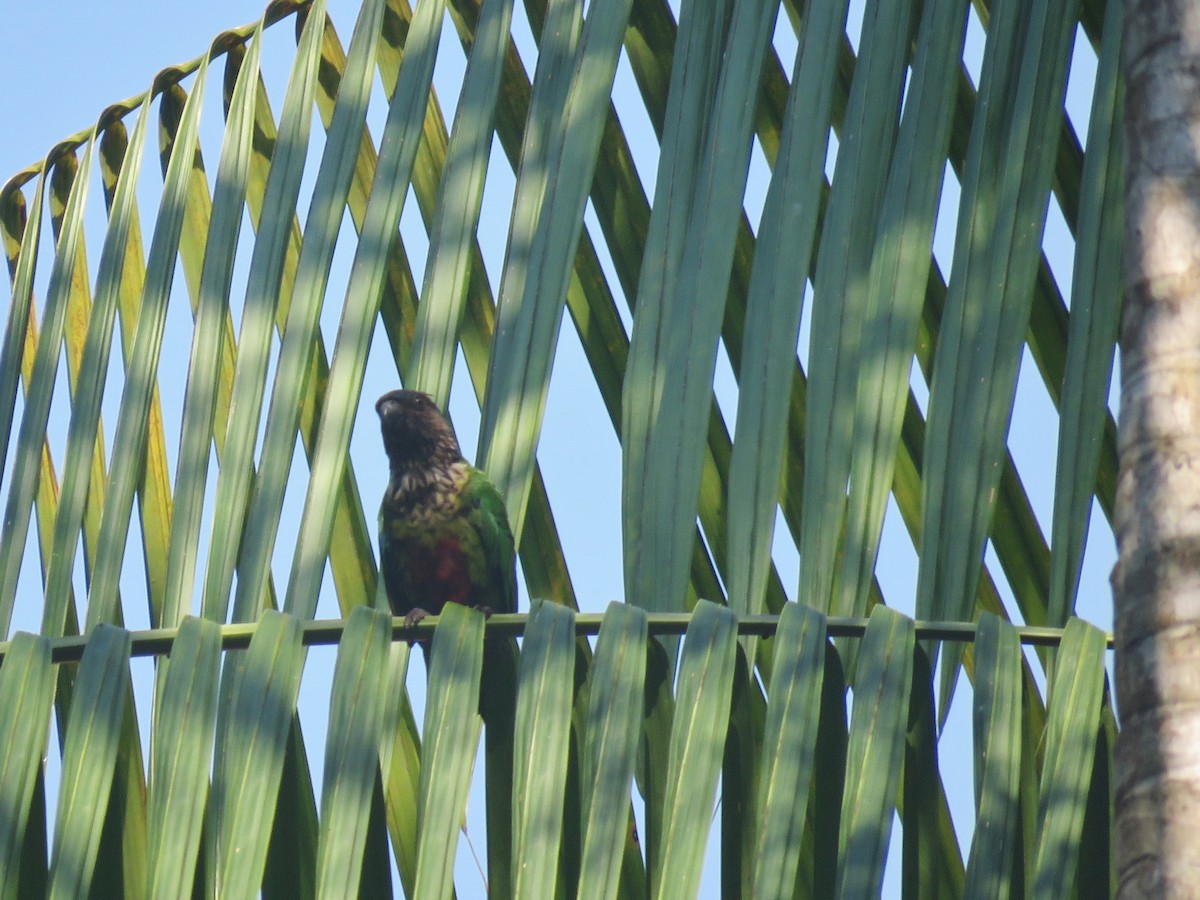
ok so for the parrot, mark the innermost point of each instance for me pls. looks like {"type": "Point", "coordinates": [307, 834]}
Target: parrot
{"type": "Point", "coordinates": [444, 535]}
{"type": "Point", "coordinates": [444, 538]}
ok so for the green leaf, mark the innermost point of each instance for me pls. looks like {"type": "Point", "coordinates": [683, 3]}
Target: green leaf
{"type": "Point", "coordinates": [89, 756]}
{"type": "Point", "coordinates": [839, 290]}
{"type": "Point", "coordinates": [326, 208]}
{"type": "Point", "coordinates": [85, 408]}
{"type": "Point", "coordinates": [789, 747]}
{"type": "Point", "coordinates": [998, 733]}
{"type": "Point", "coordinates": [1095, 317]}
{"type": "Point", "coordinates": [451, 737]}
{"type": "Point", "coordinates": [782, 255]}
{"type": "Point", "coordinates": [654, 751]}
{"type": "Point", "coordinates": [185, 720]}
{"type": "Point", "coordinates": [615, 691]}
{"type": "Point", "coordinates": [12, 203]}
{"type": "Point", "coordinates": [399, 142]}
{"type": "Point", "coordinates": [26, 466]}
{"type": "Point", "coordinates": [26, 696]}
{"type": "Point", "coordinates": [932, 863]}
{"type": "Point", "coordinates": [257, 719]}
{"type": "Point", "coordinates": [896, 292]}
{"type": "Point", "coordinates": [460, 197]}
{"type": "Point", "coordinates": [543, 730]}
{"type": "Point", "coordinates": [353, 566]}
{"type": "Point", "coordinates": [1072, 720]}
{"type": "Point", "coordinates": [263, 288]}
{"type": "Point", "coordinates": [740, 777]}
{"type": "Point", "coordinates": [697, 740]}
{"type": "Point", "coordinates": [1097, 861]}
{"type": "Point", "coordinates": [818, 871]}
{"type": "Point", "coordinates": [356, 716]}
{"type": "Point", "coordinates": [154, 486]}
{"type": "Point", "coordinates": [875, 753]}
{"type": "Point", "coordinates": [377, 869]}
{"type": "Point", "coordinates": [537, 267]}
{"type": "Point", "coordinates": [290, 870]}
{"type": "Point", "coordinates": [212, 308]}
{"type": "Point", "coordinates": [143, 356]}
{"type": "Point", "coordinates": [498, 707]}
{"type": "Point", "coordinates": [1001, 218]}
{"type": "Point", "coordinates": [672, 353]}
{"type": "Point", "coordinates": [400, 762]}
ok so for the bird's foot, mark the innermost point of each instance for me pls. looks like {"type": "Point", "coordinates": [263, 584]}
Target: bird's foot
{"type": "Point", "coordinates": [414, 617]}
{"type": "Point", "coordinates": [486, 610]}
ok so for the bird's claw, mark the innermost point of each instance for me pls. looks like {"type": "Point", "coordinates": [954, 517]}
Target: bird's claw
{"type": "Point", "coordinates": [486, 610]}
{"type": "Point", "coordinates": [414, 617]}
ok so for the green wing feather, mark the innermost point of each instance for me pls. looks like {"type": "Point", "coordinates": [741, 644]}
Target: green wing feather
{"type": "Point", "coordinates": [490, 519]}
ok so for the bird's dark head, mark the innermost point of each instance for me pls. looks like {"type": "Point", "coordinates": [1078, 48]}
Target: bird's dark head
{"type": "Point", "coordinates": [415, 433]}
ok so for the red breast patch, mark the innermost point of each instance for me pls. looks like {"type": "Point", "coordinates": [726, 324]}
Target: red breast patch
{"type": "Point", "coordinates": [442, 575]}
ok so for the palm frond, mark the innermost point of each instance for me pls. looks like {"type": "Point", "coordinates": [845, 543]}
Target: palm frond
{"type": "Point", "coordinates": [624, 188]}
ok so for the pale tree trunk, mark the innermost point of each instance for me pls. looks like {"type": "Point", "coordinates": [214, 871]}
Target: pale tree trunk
{"type": "Point", "coordinates": [1156, 584]}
